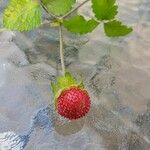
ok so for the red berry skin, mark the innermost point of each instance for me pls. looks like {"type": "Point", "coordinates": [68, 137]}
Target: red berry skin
{"type": "Point", "coordinates": [73, 103]}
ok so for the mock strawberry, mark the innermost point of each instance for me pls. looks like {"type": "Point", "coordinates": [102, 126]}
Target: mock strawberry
{"type": "Point", "coordinates": [73, 103]}
{"type": "Point", "coordinates": [71, 99]}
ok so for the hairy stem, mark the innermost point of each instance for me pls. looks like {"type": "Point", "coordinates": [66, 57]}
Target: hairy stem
{"type": "Point", "coordinates": [61, 49]}
{"type": "Point", "coordinates": [75, 9]}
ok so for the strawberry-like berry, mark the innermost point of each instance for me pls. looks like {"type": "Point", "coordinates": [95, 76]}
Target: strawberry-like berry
{"type": "Point", "coordinates": [73, 103]}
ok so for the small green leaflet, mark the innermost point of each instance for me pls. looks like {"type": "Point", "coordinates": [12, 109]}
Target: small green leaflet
{"type": "Point", "coordinates": [58, 7]}
{"type": "Point", "coordinates": [78, 24]}
{"type": "Point", "coordinates": [116, 28]}
{"type": "Point", "coordinates": [22, 15]}
{"type": "Point", "coordinates": [104, 9]}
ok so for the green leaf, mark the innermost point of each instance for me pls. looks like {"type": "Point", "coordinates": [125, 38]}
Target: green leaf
{"type": "Point", "coordinates": [78, 24]}
{"type": "Point", "coordinates": [104, 9]}
{"type": "Point", "coordinates": [115, 28]}
{"type": "Point", "coordinates": [22, 15]}
{"type": "Point", "coordinates": [58, 7]}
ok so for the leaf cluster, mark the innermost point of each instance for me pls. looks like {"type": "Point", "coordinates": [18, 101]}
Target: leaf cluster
{"type": "Point", "coordinates": [26, 15]}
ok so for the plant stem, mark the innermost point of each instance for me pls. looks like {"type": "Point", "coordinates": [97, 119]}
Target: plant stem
{"type": "Point", "coordinates": [61, 49]}
{"type": "Point", "coordinates": [75, 9]}
{"type": "Point", "coordinates": [60, 31]}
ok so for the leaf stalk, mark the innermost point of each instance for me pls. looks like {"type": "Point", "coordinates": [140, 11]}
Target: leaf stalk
{"type": "Point", "coordinates": [75, 9]}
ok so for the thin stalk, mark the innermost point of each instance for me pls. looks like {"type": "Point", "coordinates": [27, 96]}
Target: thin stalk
{"type": "Point", "coordinates": [61, 49]}
{"type": "Point", "coordinates": [75, 9]}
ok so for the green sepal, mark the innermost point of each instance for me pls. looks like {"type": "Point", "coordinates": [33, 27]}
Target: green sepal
{"type": "Point", "coordinates": [63, 82]}
{"type": "Point", "coordinates": [54, 88]}
{"type": "Point", "coordinates": [81, 85]}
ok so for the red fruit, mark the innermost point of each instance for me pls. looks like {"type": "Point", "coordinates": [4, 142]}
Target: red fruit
{"type": "Point", "coordinates": [73, 103]}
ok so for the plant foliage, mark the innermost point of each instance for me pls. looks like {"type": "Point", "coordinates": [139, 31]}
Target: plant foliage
{"type": "Point", "coordinates": [25, 15]}
{"type": "Point", "coordinates": [22, 15]}
{"type": "Point", "coordinates": [104, 9]}
{"type": "Point", "coordinates": [78, 24]}
{"type": "Point", "coordinates": [116, 28]}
